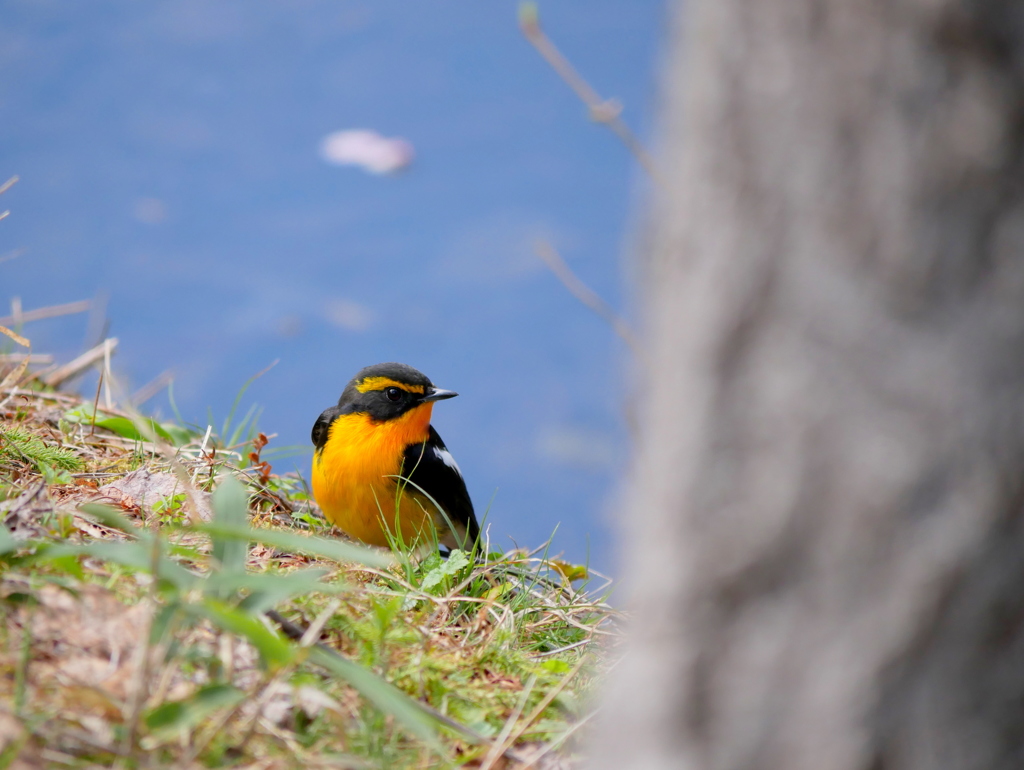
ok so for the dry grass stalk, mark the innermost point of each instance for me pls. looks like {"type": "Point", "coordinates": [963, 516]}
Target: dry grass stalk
{"type": "Point", "coordinates": [78, 366]}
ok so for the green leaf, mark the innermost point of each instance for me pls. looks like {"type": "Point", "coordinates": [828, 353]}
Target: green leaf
{"type": "Point", "coordinates": [54, 476]}
{"type": "Point", "coordinates": [266, 590]}
{"type": "Point", "coordinates": [336, 550]}
{"type": "Point", "coordinates": [179, 435]}
{"type": "Point", "coordinates": [556, 666]}
{"type": "Point", "coordinates": [383, 695]}
{"type": "Point", "coordinates": [230, 510]}
{"type": "Point", "coordinates": [7, 542]}
{"type": "Point", "coordinates": [135, 555]}
{"type": "Point", "coordinates": [69, 565]}
{"type": "Point", "coordinates": [447, 568]}
{"type": "Point", "coordinates": [163, 622]}
{"type": "Point", "coordinates": [569, 571]}
{"type": "Point", "coordinates": [456, 561]}
{"type": "Point", "coordinates": [169, 719]}
{"type": "Point", "coordinates": [432, 561]}
{"type": "Point", "coordinates": [275, 651]}
{"type": "Point", "coordinates": [142, 429]}
{"type": "Point", "coordinates": [432, 578]}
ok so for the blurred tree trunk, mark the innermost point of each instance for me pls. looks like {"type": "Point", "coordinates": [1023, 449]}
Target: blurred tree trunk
{"type": "Point", "coordinates": [824, 535]}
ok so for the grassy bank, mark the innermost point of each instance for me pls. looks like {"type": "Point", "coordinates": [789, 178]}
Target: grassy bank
{"type": "Point", "coordinates": [168, 600]}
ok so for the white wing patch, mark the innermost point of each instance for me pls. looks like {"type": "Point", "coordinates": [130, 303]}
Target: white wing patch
{"type": "Point", "coordinates": [446, 457]}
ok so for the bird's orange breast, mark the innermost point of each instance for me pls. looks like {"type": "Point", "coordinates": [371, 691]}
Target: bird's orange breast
{"type": "Point", "coordinates": [354, 476]}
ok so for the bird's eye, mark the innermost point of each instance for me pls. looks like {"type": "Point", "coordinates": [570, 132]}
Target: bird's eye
{"type": "Point", "coordinates": [393, 394]}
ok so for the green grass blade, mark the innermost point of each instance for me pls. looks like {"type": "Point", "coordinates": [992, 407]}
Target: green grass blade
{"type": "Point", "coordinates": [336, 550]}
{"type": "Point", "coordinates": [238, 399]}
{"type": "Point", "coordinates": [174, 404]}
{"type": "Point", "coordinates": [168, 720]}
{"type": "Point", "coordinates": [134, 555]}
{"type": "Point", "coordinates": [267, 590]}
{"type": "Point", "coordinates": [231, 510]}
{"type": "Point", "coordinates": [241, 429]}
{"type": "Point", "coordinates": [274, 650]}
{"type": "Point", "coordinates": [383, 695]}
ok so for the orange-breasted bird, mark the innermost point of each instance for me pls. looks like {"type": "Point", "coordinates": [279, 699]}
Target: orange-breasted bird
{"type": "Point", "coordinates": [380, 468]}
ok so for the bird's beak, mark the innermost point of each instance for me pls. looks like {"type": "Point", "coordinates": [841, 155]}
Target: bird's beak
{"type": "Point", "coordinates": [437, 394]}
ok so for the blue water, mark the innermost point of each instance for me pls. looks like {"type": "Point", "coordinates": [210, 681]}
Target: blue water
{"type": "Point", "coordinates": [168, 155]}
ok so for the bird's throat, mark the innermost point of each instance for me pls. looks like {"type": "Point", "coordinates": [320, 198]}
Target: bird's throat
{"type": "Point", "coordinates": [354, 474]}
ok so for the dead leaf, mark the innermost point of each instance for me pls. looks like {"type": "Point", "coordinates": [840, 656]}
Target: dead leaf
{"type": "Point", "coordinates": [16, 337]}
{"type": "Point", "coordinates": [15, 375]}
{"type": "Point", "coordinates": [88, 640]}
{"type": "Point", "coordinates": [22, 515]}
{"type": "Point", "coordinates": [144, 489]}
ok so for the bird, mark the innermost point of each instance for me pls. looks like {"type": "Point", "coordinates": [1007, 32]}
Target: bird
{"type": "Point", "coordinates": [380, 470]}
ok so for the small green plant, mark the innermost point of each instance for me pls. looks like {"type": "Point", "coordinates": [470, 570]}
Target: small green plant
{"type": "Point", "coordinates": [19, 444]}
{"type": "Point", "coordinates": [389, 659]}
{"type": "Point", "coordinates": [54, 476]}
{"type": "Point", "coordinates": [439, 575]}
{"type": "Point", "coordinates": [171, 510]}
{"type": "Point", "coordinates": [136, 430]}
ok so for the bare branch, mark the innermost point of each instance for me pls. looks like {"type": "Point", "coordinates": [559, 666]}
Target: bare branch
{"type": "Point", "coordinates": [606, 111]}
{"type": "Point", "coordinates": [151, 388]}
{"type": "Point", "coordinates": [587, 296]}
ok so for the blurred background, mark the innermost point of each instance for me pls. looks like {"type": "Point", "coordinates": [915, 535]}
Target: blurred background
{"type": "Point", "coordinates": [180, 164]}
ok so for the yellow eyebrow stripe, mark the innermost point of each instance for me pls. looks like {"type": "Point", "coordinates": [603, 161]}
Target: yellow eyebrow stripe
{"type": "Point", "coordinates": [379, 383]}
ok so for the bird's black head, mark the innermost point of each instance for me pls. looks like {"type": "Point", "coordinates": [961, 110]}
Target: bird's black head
{"type": "Point", "coordinates": [387, 391]}
{"type": "Point", "coordinates": [382, 391]}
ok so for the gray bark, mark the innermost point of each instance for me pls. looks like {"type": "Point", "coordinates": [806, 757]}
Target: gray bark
{"type": "Point", "coordinates": [824, 540]}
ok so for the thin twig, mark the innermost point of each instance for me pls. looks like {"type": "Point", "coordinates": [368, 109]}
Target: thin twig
{"type": "Point", "coordinates": [560, 650]}
{"type": "Point", "coordinates": [545, 702]}
{"type": "Point", "coordinates": [16, 315]}
{"type": "Point", "coordinates": [498, 747]}
{"type": "Point", "coordinates": [66, 398]}
{"type": "Point", "coordinates": [139, 693]}
{"type": "Point", "coordinates": [97, 324]}
{"type": "Point", "coordinates": [33, 358]}
{"type": "Point", "coordinates": [76, 367]}
{"type": "Point", "coordinates": [107, 350]}
{"type": "Point", "coordinates": [151, 388]}
{"type": "Point", "coordinates": [194, 511]}
{"type": "Point", "coordinates": [561, 739]}
{"type": "Point", "coordinates": [95, 405]}
{"type": "Point", "coordinates": [311, 635]}
{"type": "Point", "coordinates": [606, 111]}
{"type": "Point", "coordinates": [586, 295]}
{"type": "Point", "coordinates": [53, 311]}
{"type": "Point", "coordinates": [10, 382]}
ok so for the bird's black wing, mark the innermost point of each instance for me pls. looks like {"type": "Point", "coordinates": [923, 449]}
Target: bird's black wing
{"type": "Point", "coordinates": [322, 427]}
{"type": "Point", "coordinates": [431, 469]}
